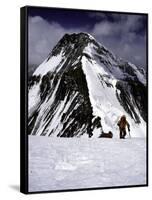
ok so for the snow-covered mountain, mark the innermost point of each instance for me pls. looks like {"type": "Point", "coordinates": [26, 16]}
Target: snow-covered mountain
{"type": "Point", "coordinates": [82, 89]}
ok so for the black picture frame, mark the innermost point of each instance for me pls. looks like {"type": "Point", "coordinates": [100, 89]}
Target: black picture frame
{"type": "Point", "coordinates": [24, 161]}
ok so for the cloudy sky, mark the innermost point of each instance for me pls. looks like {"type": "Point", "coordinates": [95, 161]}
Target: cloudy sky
{"type": "Point", "coordinates": [123, 34]}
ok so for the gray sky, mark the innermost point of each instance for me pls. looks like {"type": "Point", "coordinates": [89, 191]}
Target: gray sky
{"type": "Point", "coordinates": [123, 34]}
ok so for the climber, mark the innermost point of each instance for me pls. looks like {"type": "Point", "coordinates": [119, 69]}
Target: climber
{"type": "Point", "coordinates": [122, 123]}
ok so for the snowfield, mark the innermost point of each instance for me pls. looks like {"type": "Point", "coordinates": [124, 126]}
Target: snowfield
{"type": "Point", "coordinates": [74, 163]}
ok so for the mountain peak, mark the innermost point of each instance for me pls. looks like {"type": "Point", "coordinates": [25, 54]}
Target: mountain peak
{"type": "Point", "coordinates": [70, 50]}
{"type": "Point", "coordinates": [75, 39]}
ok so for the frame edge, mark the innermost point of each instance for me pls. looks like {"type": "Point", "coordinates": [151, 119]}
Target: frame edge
{"type": "Point", "coordinates": [23, 102]}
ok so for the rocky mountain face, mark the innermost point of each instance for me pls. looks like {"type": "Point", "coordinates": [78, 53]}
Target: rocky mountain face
{"type": "Point", "coordinates": [82, 89]}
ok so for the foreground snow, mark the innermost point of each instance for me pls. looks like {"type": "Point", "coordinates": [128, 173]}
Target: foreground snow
{"type": "Point", "coordinates": [72, 163]}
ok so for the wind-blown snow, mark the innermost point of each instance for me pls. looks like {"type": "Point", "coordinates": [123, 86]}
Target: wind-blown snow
{"type": "Point", "coordinates": [64, 163]}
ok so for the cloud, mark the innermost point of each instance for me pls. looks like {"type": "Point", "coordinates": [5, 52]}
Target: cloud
{"type": "Point", "coordinates": [122, 34]}
{"type": "Point", "coordinates": [97, 15]}
{"type": "Point", "coordinates": [43, 36]}
{"type": "Point", "coordinates": [102, 28]}
{"type": "Point", "coordinates": [119, 33]}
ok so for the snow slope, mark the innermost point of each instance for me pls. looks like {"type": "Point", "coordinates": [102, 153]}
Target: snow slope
{"type": "Point", "coordinates": [64, 163]}
{"type": "Point", "coordinates": [103, 99]}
